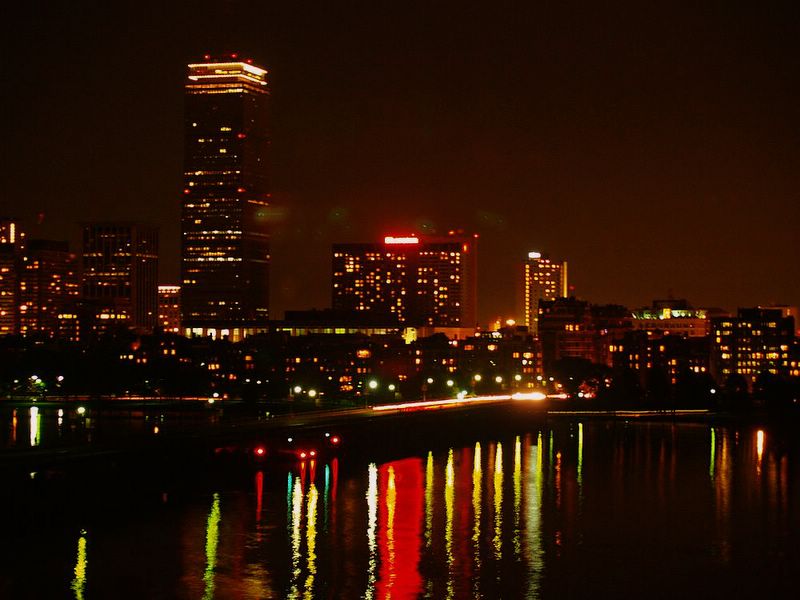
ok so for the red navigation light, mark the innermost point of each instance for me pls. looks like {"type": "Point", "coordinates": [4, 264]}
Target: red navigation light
{"type": "Point", "coordinates": [241, 136]}
{"type": "Point", "coordinates": [390, 239]}
{"type": "Point", "coordinates": [335, 439]}
{"type": "Point", "coordinates": [260, 451]}
{"type": "Point", "coordinates": [240, 190]}
{"type": "Point", "coordinates": [187, 191]}
{"type": "Point", "coordinates": [234, 55]}
{"type": "Point", "coordinates": [207, 57]}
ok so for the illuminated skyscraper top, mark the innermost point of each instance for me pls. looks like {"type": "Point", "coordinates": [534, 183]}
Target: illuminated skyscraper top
{"type": "Point", "coordinates": [225, 245]}
{"type": "Point", "coordinates": [545, 279]}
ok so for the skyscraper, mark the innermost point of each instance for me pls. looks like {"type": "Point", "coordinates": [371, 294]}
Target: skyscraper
{"type": "Point", "coordinates": [225, 234]}
{"type": "Point", "coordinates": [545, 279]}
{"type": "Point", "coordinates": [120, 274]}
{"type": "Point", "coordinates": [409, 280]}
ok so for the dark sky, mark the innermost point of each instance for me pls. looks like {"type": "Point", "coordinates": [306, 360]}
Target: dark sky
{"type": "Point", "coordinates": [655, 146]}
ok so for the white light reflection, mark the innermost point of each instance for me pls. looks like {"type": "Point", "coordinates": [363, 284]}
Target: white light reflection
{"type": "Point", "coordinates": [35, 422]}
{"type": "Point", "coordinates": [372, 505]}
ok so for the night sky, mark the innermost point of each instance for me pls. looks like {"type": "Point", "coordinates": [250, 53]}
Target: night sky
{"type": "Point", "coordinates": [655, 146]}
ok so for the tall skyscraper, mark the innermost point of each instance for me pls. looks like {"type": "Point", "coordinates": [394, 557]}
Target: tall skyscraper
{"type": "Point", "coordinates": [225, 233]}
{"type": "Point", "coordinates": [545, 279]}
{"type": "Point", "coordinates": [120, 274]}
{"type": "Point", "coordinates": [409, 280]}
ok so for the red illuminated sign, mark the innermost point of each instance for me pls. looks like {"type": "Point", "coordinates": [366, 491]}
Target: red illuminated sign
{"type": "Point", "coordinates": [400, 240]}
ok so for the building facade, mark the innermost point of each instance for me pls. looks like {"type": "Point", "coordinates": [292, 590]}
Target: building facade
{"type": "Point", "coordinates": [12, 244]}
{"type": "Point", "coordinates": [49, 285]}
{"type": "Point", "coordinates": [120, 275]}
{"type": "Point", "coordinates": [544, 279]}
{"type": "Point", "coordinates": [225, 231]}
{"type": "Point", "coordinates": [757, 341]}
{"type": "Point", "coordinates": [416, 281]}
{"type": "Point", "coordinates": [169, 308]}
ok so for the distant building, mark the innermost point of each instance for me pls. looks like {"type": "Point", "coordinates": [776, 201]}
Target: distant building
{"type": "Point", "coordinates": [415, 281]}
{"type": "Point", "coordinates": [571, 328]}
{"type": "Point", "coordinates": [674, 317]}
{"type": "Point", "coordinates": [224, 219]}
{"type": "Point", "coordinates": [545, 279]}
{"type": "Point", "coordinates": [12, 244]}
{"type": "Point", "coordinates": [120, 275]}
{"type": "Point", "coordinates": [49, 285]}
{"type": "Point", "coordinates": [756, 341]}
{"type": "Point", "coordinates": [169, 308]}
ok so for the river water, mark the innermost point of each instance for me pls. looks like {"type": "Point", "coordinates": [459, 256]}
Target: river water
{"type": "Point", "coordinates": [566, 509]}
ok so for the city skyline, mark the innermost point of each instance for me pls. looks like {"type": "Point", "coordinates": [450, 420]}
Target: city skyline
{"type": "Point", "coordinates": [671, 170]}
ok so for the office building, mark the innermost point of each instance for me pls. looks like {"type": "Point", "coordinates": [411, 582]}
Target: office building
{"type": "Point", "coordinates": [169, 308]}
{"type": "Point", "coordinates": [412, 280]}
{"type": "Point", "coordinates": [756, 341]}
{"type": "Point", "coordinates": [49, 285]}
{"type": "Point", "coordinates": [225, 233]}
{"type": "Point", "coordinates": [12, 244]}
{"type": "Point", "coordinates": [544, 279]}
{"type": "Point", "coordinates": [120, 275]}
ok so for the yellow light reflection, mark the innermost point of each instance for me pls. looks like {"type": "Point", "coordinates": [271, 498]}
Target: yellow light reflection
{"type": "Point", "coordinates": [497, 541]}
{"type": "Point", "coordinates": [476, 512]}
{"type": "Point", "coordinates": [212, 540]}
{"type": "Point", "coordinates": [533, 520]}
{"type": "Point", "coordinates": [297, 516]}
{"type": "Point", "coordinates": [311, 539]}
{"type": "Point", "coordinates": [372, 505]}
{"type": "Point", "coordinates": [429, 501]}
{"type": "Point", "coordinates": [35, 422]}
{"type": "Point", "coordinates": [712, 460]}
{"type": "Point", "coordinates": [449, 497]}
{"type": "Point", "coordinates": [78, 584]}
{"type": "Point", "coordinates": [517, 494]}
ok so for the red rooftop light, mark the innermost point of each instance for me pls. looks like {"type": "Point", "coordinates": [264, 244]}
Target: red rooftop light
{"type": "Point", "coordinates": [389, 239]}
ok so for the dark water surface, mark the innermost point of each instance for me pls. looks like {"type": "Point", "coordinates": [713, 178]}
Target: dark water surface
{"type": "Point", "coordinates": [568, 509]}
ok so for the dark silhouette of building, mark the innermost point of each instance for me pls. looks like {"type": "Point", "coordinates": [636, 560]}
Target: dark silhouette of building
{"type": "Point", "coordinates": [410, 280]}
{"type": "Point", "coordinates": [120, 275]}
{"type": "Point", "coordinates": [225, 233]}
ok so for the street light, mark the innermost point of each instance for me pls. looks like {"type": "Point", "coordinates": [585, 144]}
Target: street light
{"type": "Point", "coordinates": [450, 383]}
{"type": "Point", "coordinates": [392, 387]}
{"type": "Point", "coordinates": [373, 384]}
{"type": "Point", "coordinates": [477, 377]}
{"type": "Point", "coordinates": [498, 379]}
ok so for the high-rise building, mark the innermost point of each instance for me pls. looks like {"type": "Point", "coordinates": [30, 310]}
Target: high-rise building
{"type": "Point", "coordinates": [409, 280]}
{"type": "Point", "coordinates": [545, 279]}
{"type": "Point", "coordinates": [225, 233]}
{"type": "Point", "coordinates": [120, 275]}
{"type": "Point", "coordinates": [169, 308]}
{"type": "Point", "coordinates": [48, 286]}
{"type": "Point", "coordinates": [12, 244]}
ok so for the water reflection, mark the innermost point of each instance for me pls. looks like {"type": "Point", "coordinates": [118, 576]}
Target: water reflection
{"type": "Point", "coordinates": [212, 541]}
{"type": "Point", "coordinates": [515, 516]}
{"type": "Point", "coordinates": [78, 584]}
{"type": "Point", "coordinates": [35, 422]}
